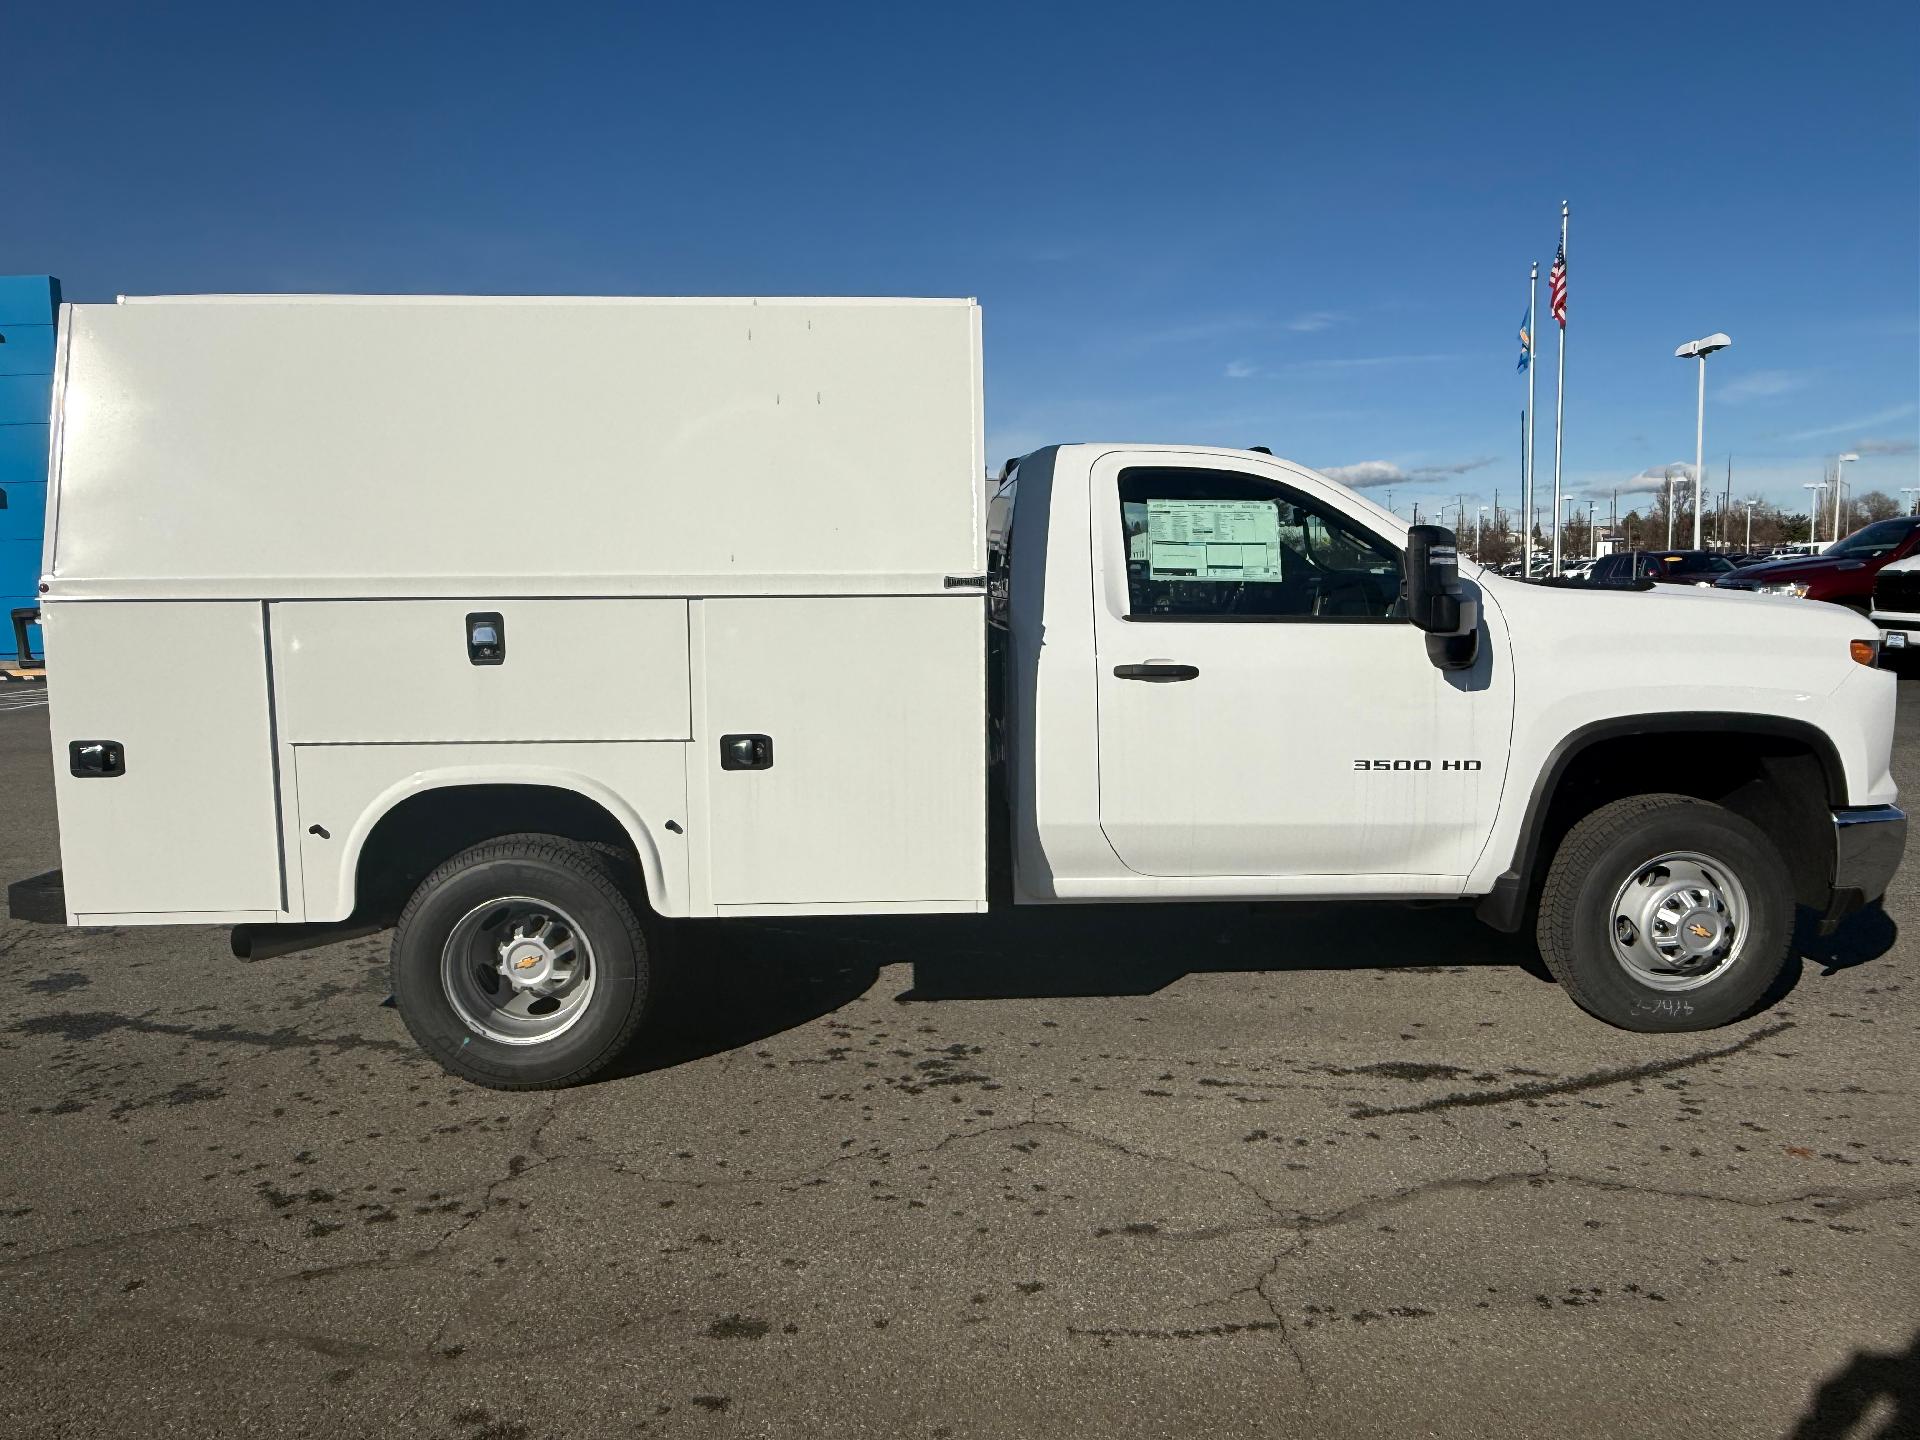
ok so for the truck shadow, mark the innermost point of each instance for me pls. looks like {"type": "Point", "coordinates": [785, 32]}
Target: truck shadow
{"type": "Point", "coordinates": [729, 983]}
{"type": "Point", "coordinates": [726, 984]}
{"type": "Point", "coordinates": [1866, 935]}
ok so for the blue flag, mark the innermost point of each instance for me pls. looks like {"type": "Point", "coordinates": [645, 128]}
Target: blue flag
{"type": "Point", "coordinates": [1526, 343]}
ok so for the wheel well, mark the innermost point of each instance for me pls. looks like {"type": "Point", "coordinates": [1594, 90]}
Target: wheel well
{"type": "Point", "coordinates": [1783, 777]}
{"type": "Point", "coordinates": [1778, 782]}
{"type": "Point", "coordinates": [416, 835]}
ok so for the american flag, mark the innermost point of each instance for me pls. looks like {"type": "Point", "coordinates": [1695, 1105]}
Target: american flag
{"type": "Point", "coordinates": [1557, 284]}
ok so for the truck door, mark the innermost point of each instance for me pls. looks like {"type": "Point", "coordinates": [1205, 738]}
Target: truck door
{"type": "Point", "coordinates": [1265, 707]}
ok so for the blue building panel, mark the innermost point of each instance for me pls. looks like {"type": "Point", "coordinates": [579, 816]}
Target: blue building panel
{"type": "Point", "coordinates": [26, 349]}
{"type": "Point", "coordinates": [23, 454]}
{"type": "Point", "coordinates": [28, 299]}
{"type": "Point", "coordinates": [23, 514]}
{"type": "Point", "coordinates": [25, 399]}
{"type": "Point", "coordinates": [29, 308]}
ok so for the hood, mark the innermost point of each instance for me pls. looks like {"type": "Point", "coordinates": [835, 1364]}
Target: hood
{"type": "Point", "coordinates": [1798, 567]}
{"type": "Point", "coordinates": [1702, 645]}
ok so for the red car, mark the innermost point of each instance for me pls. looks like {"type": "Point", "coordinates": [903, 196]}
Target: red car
{"type": "Point", "coordinates": [1842, 573]}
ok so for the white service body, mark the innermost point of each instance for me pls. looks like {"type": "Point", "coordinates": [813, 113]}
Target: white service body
{"type": "Point", "coordinates": [270, 518]}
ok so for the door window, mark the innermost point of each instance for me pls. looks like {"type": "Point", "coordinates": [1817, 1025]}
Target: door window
{"type": "Point", "coordinates": [1220, 545]}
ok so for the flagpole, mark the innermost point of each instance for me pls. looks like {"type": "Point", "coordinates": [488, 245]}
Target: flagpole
{"type": "Point", "coordinates": [1560, 404]}
{"type": "Point", "coordinates": [1526, 427]}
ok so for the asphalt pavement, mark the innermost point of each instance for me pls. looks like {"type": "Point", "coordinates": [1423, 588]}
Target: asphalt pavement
{"type": "Point", "coordinates": [1162, 1171]}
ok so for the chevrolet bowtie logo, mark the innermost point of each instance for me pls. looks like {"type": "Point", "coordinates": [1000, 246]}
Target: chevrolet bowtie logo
{"type": "Point", "coordinates": [527, 962]}
{"type": "Point", "coordinates": [1699, 929]}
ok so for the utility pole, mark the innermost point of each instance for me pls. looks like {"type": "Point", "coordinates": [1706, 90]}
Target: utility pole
{"type": "Point", "coordinates": [1726, 508]}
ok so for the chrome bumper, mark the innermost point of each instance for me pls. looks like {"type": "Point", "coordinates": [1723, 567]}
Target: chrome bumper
{"type": "Point", "coordinates": [1867, 845]}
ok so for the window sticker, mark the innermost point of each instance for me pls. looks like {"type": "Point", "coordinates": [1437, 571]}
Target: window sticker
{"type": "Point", "coordinates": [1213, 540]}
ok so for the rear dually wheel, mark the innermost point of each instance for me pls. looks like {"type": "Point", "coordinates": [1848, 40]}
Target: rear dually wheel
{"type": "Point", "coordinates": [521, 964]}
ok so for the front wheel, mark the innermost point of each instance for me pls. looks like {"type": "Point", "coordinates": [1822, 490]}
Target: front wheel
{"type": "Point", "coordinates": [1663, 912]}
{"type": "Point", "coordinates": [520, 964]}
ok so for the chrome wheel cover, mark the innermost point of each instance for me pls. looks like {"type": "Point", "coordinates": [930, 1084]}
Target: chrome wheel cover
{"type": "Point", "coordinates": [517, 970]}
{"type": "Point", "coordinates": [1678, 921]}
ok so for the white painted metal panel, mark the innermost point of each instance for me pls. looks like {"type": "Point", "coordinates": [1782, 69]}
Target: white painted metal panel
{"type": "Point", "coordinates": [287, 447]}
{"type": "Point", "coordinates": [877, 791]}
{"type": "Point", "coordinates": [399, 670]}
{"type": "Point", "coordinates": [1254, 767]}
{"type": "Point", "coordinates": [190, 826]}
{"type": "Point", "coordinates": [344, 790]}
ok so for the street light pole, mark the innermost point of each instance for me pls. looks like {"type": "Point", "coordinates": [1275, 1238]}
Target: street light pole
{"type": "Point", "coordinates": [1839, 483]}
{"type": "Point", "coordinates": [1749, 527]}
{"type": "Point", "coordinates": [1813, 517]}
{"type": "Point", "coordinates": [1669, 507]}
{"type": "Point", "coordinates": [1699, 350]}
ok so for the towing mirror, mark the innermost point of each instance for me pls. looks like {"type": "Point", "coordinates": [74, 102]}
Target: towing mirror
{"type": "Point", "coordinates": [1434, 601]}
{"type": "Point", "coordinates": [1433, 580]}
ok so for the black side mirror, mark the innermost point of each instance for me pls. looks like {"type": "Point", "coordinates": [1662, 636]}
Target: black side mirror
{"type": "Point", "coordinates": [1434, 602]}
{"type": "Point", "coordinates": [1433, 580]}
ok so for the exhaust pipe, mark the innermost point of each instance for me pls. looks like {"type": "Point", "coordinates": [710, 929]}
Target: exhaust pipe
{"type": "Point", "coordinates": [263, 942]}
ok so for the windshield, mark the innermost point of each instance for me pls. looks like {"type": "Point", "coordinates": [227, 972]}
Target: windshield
{"type": "Point", "coordinates": [1880, 538]}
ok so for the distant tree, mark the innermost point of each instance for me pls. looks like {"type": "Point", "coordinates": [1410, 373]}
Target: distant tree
{"type": "Point", "coordinates": [1874, 505]}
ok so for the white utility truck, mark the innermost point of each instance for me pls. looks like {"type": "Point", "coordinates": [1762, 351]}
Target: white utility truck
{"type": "Point", "coordinates": [521, 622]}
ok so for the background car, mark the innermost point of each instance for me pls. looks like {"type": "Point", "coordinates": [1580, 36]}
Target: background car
{"type": "Point", "coordinates": [1665, 567]}
{"type": "Point", "coordinates": [1842, 573]}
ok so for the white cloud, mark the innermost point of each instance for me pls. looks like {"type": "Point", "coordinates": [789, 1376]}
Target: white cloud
{"type": "Point", "coordinates": [1241, 370]}
{"type": "Point", "coordinates": [1369, 474]}
{"type": "Point", "coordinates": [1759, 385]}
{"type": "Point", "coordinates": [1316, 320]}
{"type": "Point", "coordinates": [1882, 417]}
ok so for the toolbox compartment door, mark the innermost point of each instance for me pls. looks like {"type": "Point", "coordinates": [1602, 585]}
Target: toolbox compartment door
{"type": "Point", "coordinates": [187, 828]}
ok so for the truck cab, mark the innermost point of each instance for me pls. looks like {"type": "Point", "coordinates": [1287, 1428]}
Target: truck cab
{"type": "Point", "coordinates": [1216, 681]}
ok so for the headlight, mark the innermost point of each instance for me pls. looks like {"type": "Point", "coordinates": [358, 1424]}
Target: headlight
{"type": "Point", "coordinates": [1798, 591]}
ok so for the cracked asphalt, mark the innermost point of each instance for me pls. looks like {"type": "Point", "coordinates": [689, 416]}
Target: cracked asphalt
{"type": "Point", "coordinates": [1211, 1171]}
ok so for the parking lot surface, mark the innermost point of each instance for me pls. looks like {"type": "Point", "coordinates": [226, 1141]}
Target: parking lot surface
{"type": "Point", "coordinates": [1211, 1171]}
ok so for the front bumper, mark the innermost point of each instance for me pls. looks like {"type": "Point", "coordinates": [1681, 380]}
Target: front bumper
{"type": "Point", "coordinates": [1868, 842]}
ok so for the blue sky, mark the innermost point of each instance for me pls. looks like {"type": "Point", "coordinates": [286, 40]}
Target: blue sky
{"type": "Point", "coordinates": [1223, 224]}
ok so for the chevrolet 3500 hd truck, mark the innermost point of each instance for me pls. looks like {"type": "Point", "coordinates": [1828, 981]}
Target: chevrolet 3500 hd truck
{"type": "Point", "coordinates": [519, 622]}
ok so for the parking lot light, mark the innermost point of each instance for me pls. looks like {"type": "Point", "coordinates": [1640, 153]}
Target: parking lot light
{"type": "Point", "coordinates": [1699, 350]}
{"type": "Point", "coordinates": [1813, 510]}
{"type": "Point", "coordinates": [1839, 484]}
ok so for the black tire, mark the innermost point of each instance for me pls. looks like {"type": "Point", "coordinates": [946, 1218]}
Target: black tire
{"type": "Point", "coordinates": [587, 884]}
{"type": "Point", "coordinates": [1602, 853]}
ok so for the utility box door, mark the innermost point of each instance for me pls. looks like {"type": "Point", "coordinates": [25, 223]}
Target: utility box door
{"type": "Point", "coordinates": [189, 827]}
{"type": "Point", "coordinates": [873, 710]}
